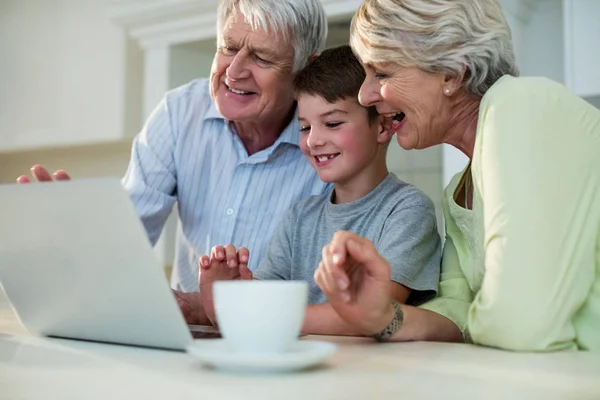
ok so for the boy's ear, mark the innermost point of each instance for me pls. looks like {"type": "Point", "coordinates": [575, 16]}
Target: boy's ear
{"type": "Point", "coordinates": [385, 132]}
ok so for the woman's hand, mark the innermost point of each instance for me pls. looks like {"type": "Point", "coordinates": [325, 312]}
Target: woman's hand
{"type": "Point", "coordinates": [356, 281]}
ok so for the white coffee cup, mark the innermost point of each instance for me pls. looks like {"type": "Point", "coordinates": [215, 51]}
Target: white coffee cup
{"type": "Point", "coordinates": [260, 316]}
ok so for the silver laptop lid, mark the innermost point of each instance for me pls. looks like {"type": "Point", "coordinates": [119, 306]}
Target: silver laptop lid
{"type": "Point", "coordinates": [75, 262]}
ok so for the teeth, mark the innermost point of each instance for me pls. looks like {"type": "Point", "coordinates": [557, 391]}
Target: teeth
{"type": "Point", "coordinates": [325, 158]}
{"type": "Point", "coordinates": [238, 91]}
{"type": "Point", "coordinates": [396, 117]}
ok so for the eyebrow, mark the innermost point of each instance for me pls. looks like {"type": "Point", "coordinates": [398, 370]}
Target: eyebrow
{"type": "Point", "coordinates": [327, 114]}
{"type": "Point", "coordinates": [334, 111]}
{"type": "Point", "coordinates": [253, 49]}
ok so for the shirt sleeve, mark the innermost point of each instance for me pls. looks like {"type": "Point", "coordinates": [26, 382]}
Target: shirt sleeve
{"type": "Point", "coordinates": [150, 179]}
{"type": "Point", "coordinates": [533, 168]}
{"type": "Point", "coordinates": [277, 263]}
{"type": "Point", "coordinates": [410, 242]}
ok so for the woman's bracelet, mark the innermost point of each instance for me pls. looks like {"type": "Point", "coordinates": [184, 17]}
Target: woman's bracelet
{"type": "Point", "coordinates": [393, 326]}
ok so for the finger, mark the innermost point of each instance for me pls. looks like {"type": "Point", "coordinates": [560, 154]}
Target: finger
{"type": "Point", "coordinates": [328, 285]}
{"type": "Point", "coordinates": [322, 279]}
{"type": "Point", "coordinates": [333, 270]}
{"type": "Point", "coordinates": [245, 272]}
{"type": "Point", "coordinates": [243, 255]}
{"type": "Point", "coordinates": [243, 258]}
{"type": "Point", "coordinates": [365, 253]}
{"type": "Point", "coordinates": [61, 175]}
{"type": "Point", "coordinates": [338, 245]}
{"type": "Point", "coordinates": [23, 179]}
{"type": "Point", "coordinates": [204, 262]}
{"type": "Point", "coordinates": [231, 256]}
{"type": "Point", "coordinates": [218, 253]}
{"type": "Point", "coordinates": [40, 174]}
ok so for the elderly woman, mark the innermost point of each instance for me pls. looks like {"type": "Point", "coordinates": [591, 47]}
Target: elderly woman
{"type": "Point", "coordinates": [521, 262]}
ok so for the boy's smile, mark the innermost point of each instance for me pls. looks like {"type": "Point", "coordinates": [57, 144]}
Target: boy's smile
{"type": "Point", "coordinates": [324, 159]}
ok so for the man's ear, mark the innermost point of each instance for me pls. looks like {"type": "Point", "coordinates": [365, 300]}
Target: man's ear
{"type": "Point", "coordinates": [386, 131]}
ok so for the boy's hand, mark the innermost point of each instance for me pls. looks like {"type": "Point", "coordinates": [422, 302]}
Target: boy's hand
{"type": "Point", "coordinates": [224, 264]}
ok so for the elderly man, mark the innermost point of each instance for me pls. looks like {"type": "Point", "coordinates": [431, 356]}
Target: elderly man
{"type": "Point", "coordinates": [226, 149]}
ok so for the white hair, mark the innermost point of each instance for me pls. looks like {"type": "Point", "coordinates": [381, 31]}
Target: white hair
{"type": "Point", "coordinates": [455, 37]}
{"type": "Point", "coordinates": [303, 22]}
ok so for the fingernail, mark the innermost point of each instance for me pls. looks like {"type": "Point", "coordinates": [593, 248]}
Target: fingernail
{"type": "Point", "coordinates": [336, 258]}
{"type": "Point", "coordinates": [232, 263]}
{"type": "Point", "coordinates": [220, 254]}
{"type": "Point", "coordinates": [342, 284]}
{"type": "Point", "coordinates": [244, 259]}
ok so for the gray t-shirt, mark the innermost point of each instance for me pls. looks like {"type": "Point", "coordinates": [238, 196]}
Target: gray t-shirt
{"type": "Point", "coordinates": [397, 217]}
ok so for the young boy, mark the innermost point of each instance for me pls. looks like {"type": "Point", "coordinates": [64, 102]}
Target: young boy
{"type": "Point", "coordinates": [347, 145]}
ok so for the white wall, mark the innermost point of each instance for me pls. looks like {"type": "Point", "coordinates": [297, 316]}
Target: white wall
{"type": "Point", "coordinates": [190, 61]}
{"type": "Point", "coordinates": [543, 42]}
{"type": "Point", "coordinates": [63, 73]}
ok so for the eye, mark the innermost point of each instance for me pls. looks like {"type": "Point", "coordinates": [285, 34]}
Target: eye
{"type": "Point", "coordinates": [261, 60]}
{"type": "Point", "coordinates": [305, 128]}
{"type": "Point", "coordinates": [333, 124]}
{"type": "Point", "coordinates": [380, 76]}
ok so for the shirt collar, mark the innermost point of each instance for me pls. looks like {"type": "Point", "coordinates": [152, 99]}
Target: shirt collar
{"type": "Point", "coordinates": [290, 135]}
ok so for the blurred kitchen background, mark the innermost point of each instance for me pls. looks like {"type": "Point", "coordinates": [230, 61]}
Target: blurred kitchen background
{"type": "Point", "coordinates": [79, 77]}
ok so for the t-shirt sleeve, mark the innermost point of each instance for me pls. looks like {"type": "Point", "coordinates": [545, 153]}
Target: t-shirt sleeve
{"type": "Point", "coordinates": [277, 263]}
{"type": "Point", "coordinates": [411, 243]}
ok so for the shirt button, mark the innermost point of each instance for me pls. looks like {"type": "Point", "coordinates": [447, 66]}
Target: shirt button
{"type": "Point", "coordinates": [230, 211]}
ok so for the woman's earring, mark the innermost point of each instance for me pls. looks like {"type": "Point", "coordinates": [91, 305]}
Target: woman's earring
{"type": "Point", "coordinates": [446, 92]}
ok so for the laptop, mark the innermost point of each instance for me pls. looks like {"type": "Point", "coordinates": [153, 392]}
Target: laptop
{"type": "Point", "coordinates": [75, 262]}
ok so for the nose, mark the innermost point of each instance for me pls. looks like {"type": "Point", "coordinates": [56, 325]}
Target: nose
{"type": "Point", "coordinates": [238, 68]}
{"type": "Point", "coordinates": [369, 94]}
{"type": "Point", "coordinates": [315, 139]}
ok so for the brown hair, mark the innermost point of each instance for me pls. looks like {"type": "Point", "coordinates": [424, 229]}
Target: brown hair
{"type": "Point", "coordinates": [336, 74]}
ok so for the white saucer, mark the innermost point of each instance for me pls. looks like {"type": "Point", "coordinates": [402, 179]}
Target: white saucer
{"type": "Point", "coordinates": [302, 354]}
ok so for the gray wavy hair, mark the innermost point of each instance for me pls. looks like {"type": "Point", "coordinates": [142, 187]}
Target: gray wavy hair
{"type": "Point", "coordinates": [438, 36]}
{"type": "Point", "coordinates": [303, 22]}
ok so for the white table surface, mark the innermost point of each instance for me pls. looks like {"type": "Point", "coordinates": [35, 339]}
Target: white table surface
{"type": "Point", "coordinates": [34, 367]}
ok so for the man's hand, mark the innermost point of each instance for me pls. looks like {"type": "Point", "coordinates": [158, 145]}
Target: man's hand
{"type": "Point", "coordinates": [224, 264]}
{"type": "Point", "coordinates": [41, 174]}
{"type": "Point", "coordinates": [190, 305]}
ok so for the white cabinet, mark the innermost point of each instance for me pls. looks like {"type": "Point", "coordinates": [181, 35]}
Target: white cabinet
{"type": "Point", "coordinates": [581, 22]}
